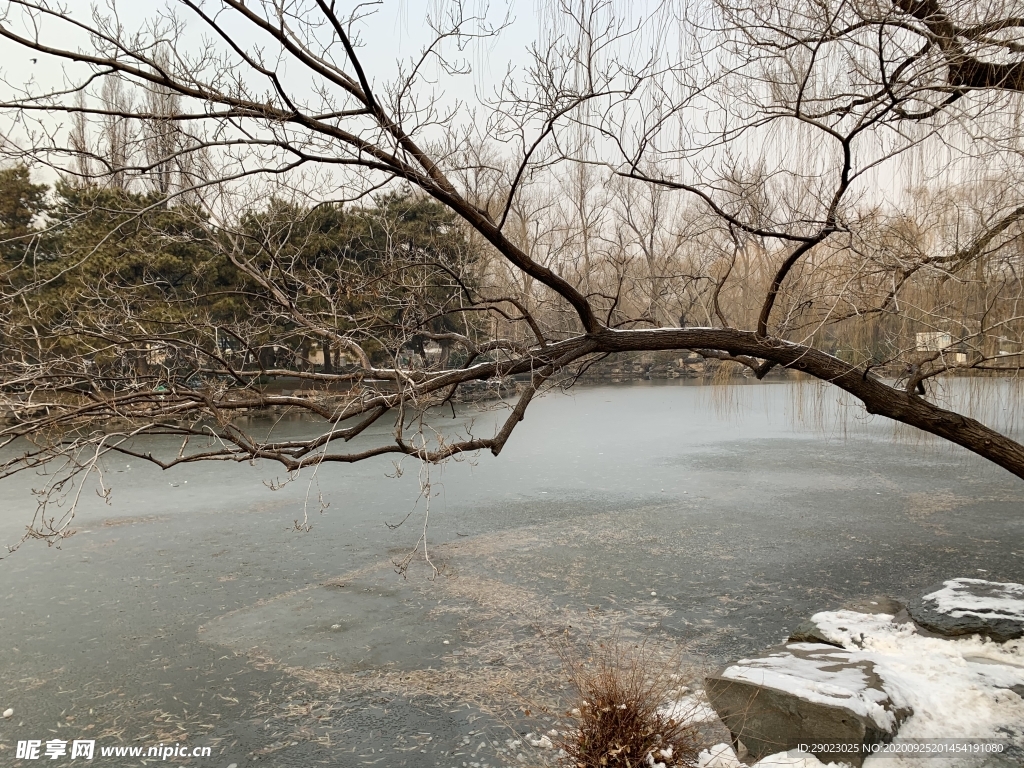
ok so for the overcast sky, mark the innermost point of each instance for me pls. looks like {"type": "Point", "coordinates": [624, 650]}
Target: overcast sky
{"type": "Point", "coordinates": [394, 34]}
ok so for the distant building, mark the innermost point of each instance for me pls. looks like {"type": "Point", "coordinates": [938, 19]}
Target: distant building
{"type": "Point", "coordinates": [933, 341]}
{"type": "Point", "coordinates": [432, 351]}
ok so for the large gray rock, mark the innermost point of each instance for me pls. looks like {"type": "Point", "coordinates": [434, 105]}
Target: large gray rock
{"type": "Point", "coordinates": [972, 607]}
{"type": "Point", "coordinates": [878, 604]}
{"type": "Point", "coordinates": [809, 632]}
{"type": "Point", "coordinates": [804, 693]}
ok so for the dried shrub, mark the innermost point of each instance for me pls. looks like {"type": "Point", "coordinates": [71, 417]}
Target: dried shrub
{"type": "Point", "coordinates": [620, 718]}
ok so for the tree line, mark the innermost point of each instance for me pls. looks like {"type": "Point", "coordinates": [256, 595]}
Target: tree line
{"type": "Point", "coordinates": [145, 292]}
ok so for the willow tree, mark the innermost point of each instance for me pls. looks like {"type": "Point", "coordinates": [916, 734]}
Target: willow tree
{"type": "Point", "coordinates": [835, 189]}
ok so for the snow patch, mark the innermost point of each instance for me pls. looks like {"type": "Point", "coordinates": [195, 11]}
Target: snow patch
{"type": "Point", "coordinates": [692, 709]}
{"type": "Point", "coordinates": [718, 756]}
{"type": "Point", "coordinates": [789, 760]}
{"type": "Point", "coordinates": [542, 742]}
{"type": "Point", "coordinates": [849, 628]}
{"type": "Point", "coordinates": [722, 756]}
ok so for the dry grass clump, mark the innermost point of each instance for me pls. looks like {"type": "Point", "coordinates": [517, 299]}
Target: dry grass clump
{"type": "Point", "coordinates": [620, 718]}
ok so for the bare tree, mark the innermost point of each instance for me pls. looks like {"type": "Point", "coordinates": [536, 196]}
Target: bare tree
{"type": "Point", "coordinates": [830, 187]}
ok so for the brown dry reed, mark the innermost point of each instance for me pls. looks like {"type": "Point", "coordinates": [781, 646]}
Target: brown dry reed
{"type": "Point", "coordinates": [618, 719]}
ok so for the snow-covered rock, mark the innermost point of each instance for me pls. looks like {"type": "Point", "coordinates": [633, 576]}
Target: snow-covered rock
{"type": "Point", "coordinates": [804, 693]}
{"type": "Point", "coordinates": [972, 607]}
{"type": "Point", "coordinates": [960, 688]}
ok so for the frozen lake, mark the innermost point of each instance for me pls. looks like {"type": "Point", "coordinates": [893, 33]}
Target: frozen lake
{"type": "Point", "coordinates": [711, 522]}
